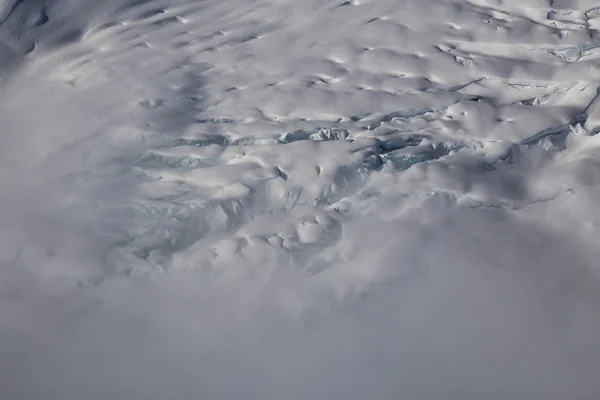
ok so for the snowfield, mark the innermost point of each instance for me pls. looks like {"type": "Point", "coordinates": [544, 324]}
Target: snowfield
{"type": "Point", "coordinates": [299, 199]}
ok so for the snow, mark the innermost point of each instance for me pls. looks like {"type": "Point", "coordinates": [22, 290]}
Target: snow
{"type": "Point", "coordinates": [277, 199]}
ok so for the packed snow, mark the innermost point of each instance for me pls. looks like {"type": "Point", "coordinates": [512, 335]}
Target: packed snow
{"type": "Point", "coordinates": [299, 199]}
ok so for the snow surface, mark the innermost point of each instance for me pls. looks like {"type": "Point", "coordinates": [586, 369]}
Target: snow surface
{"type": "Point", "coordinates": [299, 199]}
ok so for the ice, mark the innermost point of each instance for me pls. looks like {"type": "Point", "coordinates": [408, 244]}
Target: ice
{"type": "Point", "coordinates": [318, 134]}
{"type": "Point", "coordinates": [173, 161]}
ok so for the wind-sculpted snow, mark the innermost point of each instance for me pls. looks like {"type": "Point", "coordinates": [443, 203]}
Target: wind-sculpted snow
{"type": "Point", "coordinates": [277, 199]}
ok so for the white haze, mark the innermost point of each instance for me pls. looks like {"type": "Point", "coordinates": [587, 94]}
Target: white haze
{"type": "Point", "coordinates": [277, 199]}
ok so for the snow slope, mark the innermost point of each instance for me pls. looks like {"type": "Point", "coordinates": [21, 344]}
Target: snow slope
{"type": "Point", "coordinates": [277, 199]}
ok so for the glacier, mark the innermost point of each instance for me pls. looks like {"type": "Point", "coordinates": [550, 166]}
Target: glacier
{"type": "Point", "coordinates": [283, 199]}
